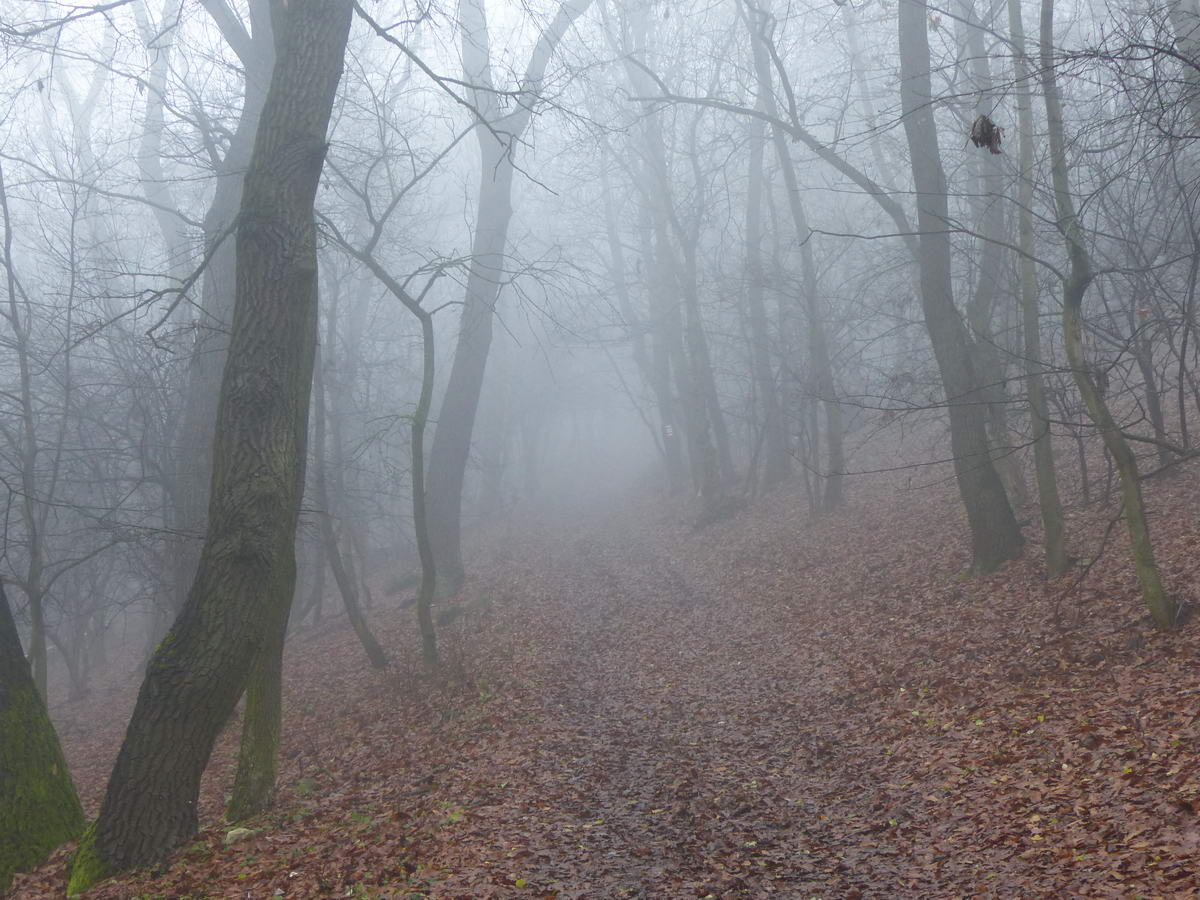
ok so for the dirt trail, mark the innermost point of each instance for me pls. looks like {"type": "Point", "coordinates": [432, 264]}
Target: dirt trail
{"type": "Point", "coordinates": [772, 707]}
{"type": "Point", "coordinates": [686, 742]}
{"type": "Point", "coordinates": [831, 713]}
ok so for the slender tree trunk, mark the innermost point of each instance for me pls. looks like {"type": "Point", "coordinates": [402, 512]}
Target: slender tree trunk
{"type": "Point", "coordinates": [39, 809]}
{"type": "Point", "coordinates": [1054, 542]}
{"type": "Point", "coordinates": [498, 134]}
{"type": "Point", "coordinates": [818, 341]}
{"type": "Point", "coordinates": [247, 567]}
{"type": "Point", "coordinates": [995, 536]}
{"type": "Point", "coordinates": [342, 574]}
{"type": "Point", "coordinates": [987, 178]}
{"type": "Point", "coordinates": [777, 462]}
{"type": "Point", "coordinates": [1074, 288]}
{"type": "Point", "coordinates": [648, 362]}
{"type": "Point", "coordinates": [672, 281]}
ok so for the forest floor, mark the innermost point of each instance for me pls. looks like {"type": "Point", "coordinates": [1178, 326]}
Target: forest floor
{"type": "Point", "coordinates": [773, 706]}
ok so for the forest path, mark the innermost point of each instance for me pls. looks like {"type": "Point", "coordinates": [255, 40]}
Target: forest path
{"type": "Point", "coordinates": [685, 743]}
{"type": "Point", "coordinates": [777, 706]}
{"type": "Point", "coordinates": [795, 707]}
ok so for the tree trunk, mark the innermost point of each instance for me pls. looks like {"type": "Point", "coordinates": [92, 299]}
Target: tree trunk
{"type": "Point", "coordinates": [1054, 543]}
{"type": "Point", "coordinates": [818, 341]}
{"type": "Point", "coordinates": [651, 364]}
{"type": "Point", "coordinates": [995, 536]}
{"type": "Point", "coordinates": [986, 191]}
{"type": "Point", "coordinates": [247, 566]}
{"type": "Point", "coordinates": [206, 363]}
{"type": "Point", "coordinates": [498, 134]}
{"type": "Point", "coordinates": [343, 576]}
{"type": "Point", "coordinates": [777, 462]}
{"type": "Point", "coordinates": [1074, 288]}
{"type": "Point", "coordinates": [39, 809]}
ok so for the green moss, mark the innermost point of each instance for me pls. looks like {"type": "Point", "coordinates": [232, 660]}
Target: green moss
{"type": "Point", "coordinates": [39, 809]}
{"type": "Point", "coordinates": [87, 868]}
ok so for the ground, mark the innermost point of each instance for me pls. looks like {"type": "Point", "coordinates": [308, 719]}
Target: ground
{"type": "Point", "coordinates": [778, 705]}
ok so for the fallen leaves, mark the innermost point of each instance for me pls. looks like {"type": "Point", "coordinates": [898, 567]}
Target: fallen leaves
{"type": "Point", "coordinates": [772, 707]}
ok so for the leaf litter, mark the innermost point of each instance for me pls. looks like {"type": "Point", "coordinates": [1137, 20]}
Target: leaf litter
{"type": "Point", "coordinates": [775, 706]}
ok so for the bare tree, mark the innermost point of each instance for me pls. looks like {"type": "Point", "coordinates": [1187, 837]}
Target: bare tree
{"type": "Point", "coordinates": [237, 609]}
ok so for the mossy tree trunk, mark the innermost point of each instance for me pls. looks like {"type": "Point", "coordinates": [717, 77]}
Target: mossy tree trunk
{"type": "Point", "coordinates": [1075, 286]}
{"type": "Point", "coordinates": [995, 536]}
{"type": "Point", "coordinates": [39, 809]}
{"type": "Point", "coordinates": [247, 566]}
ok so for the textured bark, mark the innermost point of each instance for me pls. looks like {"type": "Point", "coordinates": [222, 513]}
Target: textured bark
{"type": "Point", "coordinates": [1075, 286]}
{"type": "Point", "coordinates": [194, 439]}
{"type": "Point", "coordinates": [247, 565]}
{"type": "Point", "coordinates": [39, 809]}
{"type": "Point", "coordinates": [995, 537]}
{"type": "Point", "coordinates": [1053, 542]}
{"type": "Point", "coordinates": [262, 722]}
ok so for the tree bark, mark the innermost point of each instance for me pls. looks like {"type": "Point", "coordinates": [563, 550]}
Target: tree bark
{"type": "Point", "coordinates": [39, 809]}
{"type": "Point", "coordinates": [995, 536]}
{"type": "Point", "coordinates": [247, 566]}
{"type": "Point", "coordinates": [1075, 286]}
{"type": "Point", "coordinates": [206, 363]}
{"type": "Point", "coordinates": [498, 135]}
{"type": "Point", "coordinates": [1053, 541]}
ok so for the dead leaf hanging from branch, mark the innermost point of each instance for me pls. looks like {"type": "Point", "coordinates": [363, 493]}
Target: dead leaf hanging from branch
{"type": "Point", "coordinates": [986, 133]}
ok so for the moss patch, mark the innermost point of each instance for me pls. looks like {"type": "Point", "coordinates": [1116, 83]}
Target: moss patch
{"type": "Point", "coordinates": [87, 868]}
{"type": "Point", "coordinates": [39, 809]}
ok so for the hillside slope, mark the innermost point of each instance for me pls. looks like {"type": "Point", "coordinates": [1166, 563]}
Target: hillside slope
{"type": "Point", "coordinates": [770, 707]}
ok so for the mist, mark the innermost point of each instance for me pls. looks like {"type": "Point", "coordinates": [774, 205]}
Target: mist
{"type": "Point", "coordinates": [597, 448]}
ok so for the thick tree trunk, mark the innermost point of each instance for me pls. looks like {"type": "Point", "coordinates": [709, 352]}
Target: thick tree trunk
{"type": "Point", "coordinates": [194, 436]}
{"type": "Point", "coordinates": [39, 809]}
{"type": "Point", "coordinates": [262, 722]}
{"type": "Point", "coordinates": [995, 536]}
{"type": "Point", "coordinates": [247, 566]}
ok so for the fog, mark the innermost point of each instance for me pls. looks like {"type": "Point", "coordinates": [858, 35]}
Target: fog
{"type": "Point", "coordinates": [297, 318]}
